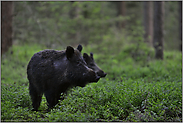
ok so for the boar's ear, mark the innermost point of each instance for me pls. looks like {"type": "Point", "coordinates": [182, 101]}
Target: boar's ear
{"type": "Point", "coordinates": [80, 47]}
{"type": "Point", "coordinates": [69, 52]}
{"type": "Point", "coordinates": [91, 56]}
{"type": "Point", "coordinates": [86, 57]}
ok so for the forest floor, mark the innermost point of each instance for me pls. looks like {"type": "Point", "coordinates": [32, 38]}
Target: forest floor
{"type": "Point", "coordinates": [135, 89]}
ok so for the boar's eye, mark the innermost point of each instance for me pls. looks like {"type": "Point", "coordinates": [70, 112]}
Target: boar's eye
{"type": "Point", "coordinates": [77, 62]}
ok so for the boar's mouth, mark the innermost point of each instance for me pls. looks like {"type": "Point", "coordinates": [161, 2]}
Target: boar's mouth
{"type": "Point", "coordinates": [101, 74]}
{"type": "Point", "coordinates": [83, 84]}
{"type": "Point", "coordinates": [96, 79]}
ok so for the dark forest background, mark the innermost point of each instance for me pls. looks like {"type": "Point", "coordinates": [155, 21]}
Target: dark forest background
{"type": "Point", "coordinates": [61, 23]}
{"type": "Point", "coordinates": [138, 45]}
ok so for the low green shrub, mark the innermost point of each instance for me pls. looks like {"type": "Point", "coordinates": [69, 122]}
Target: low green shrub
{"type": "Point", "coordinates": [131, 91]}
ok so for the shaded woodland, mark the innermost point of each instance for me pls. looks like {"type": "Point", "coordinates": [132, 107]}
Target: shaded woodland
{"type": "Point", "coordinates": [63, 23]}
{"type": "Point", "coordinates": [138, 45]}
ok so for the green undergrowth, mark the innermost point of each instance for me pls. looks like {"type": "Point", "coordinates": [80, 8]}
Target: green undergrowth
{"type": "Point", "coordinates": [137, 88]}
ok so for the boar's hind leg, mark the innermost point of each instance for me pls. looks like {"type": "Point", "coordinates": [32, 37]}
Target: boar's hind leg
{"type": "Point", "coordinates": [52, 98]}
{"type": "Point", "coordinates": [36, 97]}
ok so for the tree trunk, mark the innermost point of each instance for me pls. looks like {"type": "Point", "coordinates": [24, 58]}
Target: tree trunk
{"type": "Point", "coordinates": [78, 34]}
{"type": "Point", "coordinates": [75, 13]}
{"type": "Point", "coordinates": [6, 25]}
{"type": "Point", "coordinates": [121, 12]}
{"type": "Point", "coordinates": [148, 23]}
{"type": "Point", "coordinates": [158, 29]}
{"type": "Point", "coordinates": [180, 24]}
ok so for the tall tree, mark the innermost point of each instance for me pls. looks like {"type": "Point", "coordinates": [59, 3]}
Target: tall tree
{"type": "Point", "coordinates": [180, 24]}
{"type": "Point", "coordinates": [121, 12]}
{"type": "Point", "coordinates": [158, 29]}
{"type": "Point", "coordinates": [74, 13]}
{"type": "Point", "coordinates": [6, 25]}
{"type": "Point", "coordinates": [148, 22]}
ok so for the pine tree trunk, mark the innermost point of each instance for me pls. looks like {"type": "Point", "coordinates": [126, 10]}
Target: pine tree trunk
{"type": "Point", "coordinates": [148, 22]}
{"type": "Point", "coordinates": [122, 12]}
{"type": "Point", "coordinates": [6, 25]}
{"type": "Point", "coordinates": [121, 7]}
{"type": "Point", "coordinates": [158, 29]}
{"type": "Point", "coordinates": [180, 24]}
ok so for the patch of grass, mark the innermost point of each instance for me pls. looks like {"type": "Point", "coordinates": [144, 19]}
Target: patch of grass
{"type": "Point", "coordinates": [131, 91]}
{"type": "Point", "coordinates": [14, 63]}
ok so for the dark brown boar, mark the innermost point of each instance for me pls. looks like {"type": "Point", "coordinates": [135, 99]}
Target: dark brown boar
{"type": "Point", "coordinates": [91, 64]}
{"type": "Point", "coordinates": [52, 72]}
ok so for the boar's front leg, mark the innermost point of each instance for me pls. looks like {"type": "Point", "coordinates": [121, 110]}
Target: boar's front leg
{"type": "Point", "coordinates": [52, 98]}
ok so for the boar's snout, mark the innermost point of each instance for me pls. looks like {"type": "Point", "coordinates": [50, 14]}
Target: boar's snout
{"type": "Point", "coordinates": [101, 73]}
{"type": "Point", "coordinates": [95, 77]}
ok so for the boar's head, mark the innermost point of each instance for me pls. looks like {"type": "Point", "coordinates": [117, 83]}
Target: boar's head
{"type": "Point", "coordinates": [91, 64]}
{"type": "Point", "coordinates": [77, 70]}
